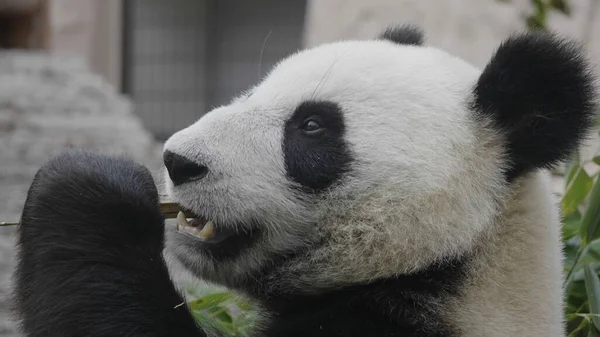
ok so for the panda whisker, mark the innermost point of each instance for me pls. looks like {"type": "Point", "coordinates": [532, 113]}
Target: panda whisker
{"type": "Point", "coordinates": [262, 50]}
{"type": "Point", "coordinates": [326, 75]}
{"type": "Point", "coordinates": [323, 79]}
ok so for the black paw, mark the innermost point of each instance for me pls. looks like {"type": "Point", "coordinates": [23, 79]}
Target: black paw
{"type": "Point", "coordinates": [90, 253]}
{"type": "Point", "coordinates": [92, 198]}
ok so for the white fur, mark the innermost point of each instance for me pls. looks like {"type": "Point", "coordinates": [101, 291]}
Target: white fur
{"type": "Point", "coordinates": [515, 288]}
{"type": "Point", "coordinates": [427, 184]}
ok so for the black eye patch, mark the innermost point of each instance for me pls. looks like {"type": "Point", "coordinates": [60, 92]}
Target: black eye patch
{"type": "Point", "coordinates": [316, 154]}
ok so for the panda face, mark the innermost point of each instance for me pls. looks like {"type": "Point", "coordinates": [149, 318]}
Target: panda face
{"type": "Point", "coordinates": [350, 161]}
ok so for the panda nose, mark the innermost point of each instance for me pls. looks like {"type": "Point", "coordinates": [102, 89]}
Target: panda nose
{"type": "Point", "coordinates": [182, 170]}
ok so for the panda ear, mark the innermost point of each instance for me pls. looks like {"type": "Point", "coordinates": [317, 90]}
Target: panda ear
{"type": "Point", "coordinates": [539, 91]}
{"type": "Point", "coordinates": [406, 34]}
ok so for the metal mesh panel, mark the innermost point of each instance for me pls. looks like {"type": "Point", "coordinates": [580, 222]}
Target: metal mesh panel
{"type": "Point", "coordinates": [184, 57]}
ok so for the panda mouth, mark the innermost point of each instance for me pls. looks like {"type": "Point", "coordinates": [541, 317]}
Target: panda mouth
{"type": "Point", "coordinates": [205, 230]}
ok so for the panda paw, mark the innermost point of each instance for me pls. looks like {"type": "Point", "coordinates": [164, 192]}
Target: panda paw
{"type": "Point", "coordinates": [91, 198]}
{"type": "Point", "coordinates": [90, 253]}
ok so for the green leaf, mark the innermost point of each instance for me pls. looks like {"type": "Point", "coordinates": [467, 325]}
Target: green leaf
{"type": "Point", "coordinates": [575, 324]}
{"type": "Point", "coordinates": [571, 168]}
{"type": "Point", "coordinates": [209, 301]}
{"type": "Point", "coordinates": [596, 160]}
{"type": "Point", "coordinates": [534, 23]}
{"type": "Point", "coordinates": [592, 285]}
{"type": "Point", "coordinates": [577, 291]}
{"type": "Point", "coordinates": [572, 274]}
{"type": "Point", "coordinates": [580, 274]}
{"type": "Point", "coordinates": [577, 190]}
{"type": "Point", "coordinates": [561, 6]}
{"type": "Point", "coordinates": [570, 253]}
{"type": "Point", "coordinates": [224, 316]}
{"type": "Point", "coordinates": [593, 252]}
{"type": "Point", "coordinates": [243, 304]}
{"type": "Point", "coordinates": [593, 332]}
{"type": "Point", "coordinates": [219, 321]}
{"type": "Point", "coordinates": [571, 225]}
{"type": "Point", "coordinates": [539, 5]}
{"type": "Point", "coordinates": [590, 223]}
{"type": "Point", "coordinates": [581, 326]}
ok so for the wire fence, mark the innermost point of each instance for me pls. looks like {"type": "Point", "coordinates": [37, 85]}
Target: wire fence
{"type": "Point", "coordinates": [184, 58]}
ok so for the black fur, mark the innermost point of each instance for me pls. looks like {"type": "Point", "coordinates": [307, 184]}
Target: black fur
{"type": "Point", "coordinates": [317, 160]}
{"type": "Point", "coordinates": [408, 306]}
{"type": "Point", "coordinates": [539, 91]}
{"type": "Point", "coordinates": [89, 259]}
{"type": "Point", "coordinates": [407, 34]}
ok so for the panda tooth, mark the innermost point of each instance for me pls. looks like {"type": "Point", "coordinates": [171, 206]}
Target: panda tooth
{"type": "Point", "coordinates": [208, 231]}
{"type": "Point", "coordinates": [181, 220]}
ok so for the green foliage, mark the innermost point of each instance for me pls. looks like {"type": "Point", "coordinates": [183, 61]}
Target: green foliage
{"type": "Point", "coordinates": [581, 235]}
{"type": "Point", "coordinates": [580, 206]}
{"type": "Point", "coordinates": [537, 19]}
{"type": "Point", "coordinates": [219, 310]}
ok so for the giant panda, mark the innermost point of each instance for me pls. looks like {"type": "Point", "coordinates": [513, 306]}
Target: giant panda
{"type": "Point", "coordinates": [374, 187]}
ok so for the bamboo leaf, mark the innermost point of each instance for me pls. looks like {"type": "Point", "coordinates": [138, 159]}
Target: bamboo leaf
{"type": "Point", "coordinates": [570, 253]}
{"type": "Point", "coordinates": [575, 325]}
{"type": "Point", "coordinates": [243, 304]}
{"type": "Point", "coordinates": [590, 223]}
{"type": "Point", "coordinates": [561, 6]}
{"type": "Point", "coordinates": [592, 284]}
{"type": "Point", "coordinates": [577, 191]}
{"type": "Point", "coordinates": [594, 254]}
{"type": "Point", "coordinates": [224, 316]}
{"type": "Point", "coordinates": [209, 301]}
{"type": "Point", "coordinates": [580, 274]}
{"type": "Point", "coordinates": [535, 23]}
{"type": "Point", "coordinates": [571, 225]}
{"type": "Point", "coordinates": [593, 332]}
{"type": "Point", "coordinates": [571, 168]}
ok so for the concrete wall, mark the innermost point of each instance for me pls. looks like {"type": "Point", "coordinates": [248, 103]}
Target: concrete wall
{"type": "Point", "coordinates": [471, 29]}
{"type": "Point", "coordinates": [90, 29]}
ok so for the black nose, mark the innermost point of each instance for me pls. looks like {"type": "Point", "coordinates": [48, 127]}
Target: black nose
{"type": "Point", "coordinates": [182, 170]}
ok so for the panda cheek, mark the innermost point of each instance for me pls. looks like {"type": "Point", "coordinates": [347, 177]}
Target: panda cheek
{"type": "Point", "coordinates": [316, 161]}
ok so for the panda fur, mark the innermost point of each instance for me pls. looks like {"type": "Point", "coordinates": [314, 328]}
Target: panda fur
{"type": "Point", "coordinates": [363, 188]}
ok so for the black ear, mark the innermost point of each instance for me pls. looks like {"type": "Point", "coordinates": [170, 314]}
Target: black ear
{"type": "Point", "coordinates": [407, 34]}
{"type": "Point", "coordinates": [539, 91]}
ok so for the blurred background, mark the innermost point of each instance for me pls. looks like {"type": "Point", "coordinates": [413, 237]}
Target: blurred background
{"type": "Point", "coordinates": [123, 75]}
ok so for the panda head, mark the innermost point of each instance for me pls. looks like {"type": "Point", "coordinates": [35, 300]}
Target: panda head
{"type": "Point", "coordinates": [360, 160]}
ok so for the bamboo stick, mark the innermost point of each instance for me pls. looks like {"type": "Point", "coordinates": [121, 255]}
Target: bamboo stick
{"type": "Point", "coordinates": [168, 208]}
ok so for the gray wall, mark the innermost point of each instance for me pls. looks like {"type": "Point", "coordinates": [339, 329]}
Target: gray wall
{"type": "Point", "coordinates": [184, 59]}
{"type": "Point", "coordinates": [164, 68]}
{"type": "Point", "coordinates": [471, 29]}
{"type": "Point", "coordinates": [241, 28]}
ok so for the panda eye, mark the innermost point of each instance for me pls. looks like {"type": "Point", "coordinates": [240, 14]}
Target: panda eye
{"type": "Point", "coordinates": [311, 126]}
